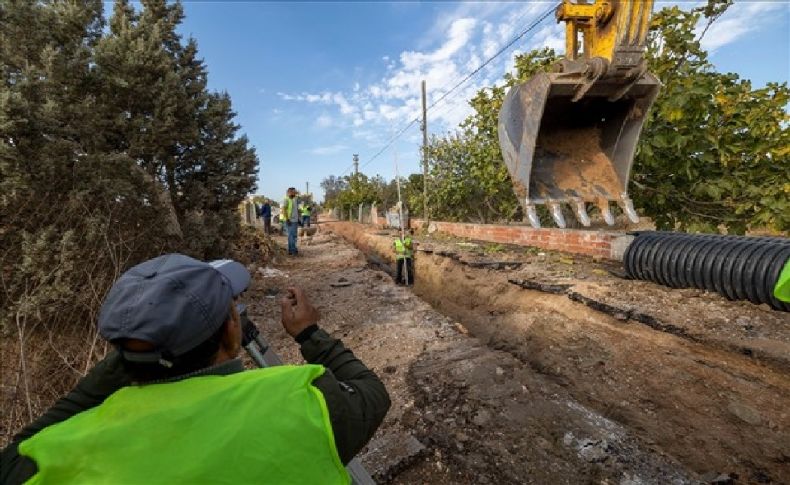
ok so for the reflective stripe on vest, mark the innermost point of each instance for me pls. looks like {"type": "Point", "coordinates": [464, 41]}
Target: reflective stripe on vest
{"type": "Point", "coordinates": [260, 426]}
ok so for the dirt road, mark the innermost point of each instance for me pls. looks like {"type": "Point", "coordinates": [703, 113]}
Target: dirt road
{"type": "Point", "coordinates": [508, 385]}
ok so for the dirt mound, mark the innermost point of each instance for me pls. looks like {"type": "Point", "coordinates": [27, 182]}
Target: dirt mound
{"type": "Point", "coordinates": [254, 246]}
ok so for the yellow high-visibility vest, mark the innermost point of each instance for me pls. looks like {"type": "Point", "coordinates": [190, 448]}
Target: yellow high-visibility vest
{"type": "Point", "coordinates": [403, 248]}
{"type": "Point", "coordinates": [261, 426]}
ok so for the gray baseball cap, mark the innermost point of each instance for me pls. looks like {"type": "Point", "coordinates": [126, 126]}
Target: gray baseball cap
{"type": "Point", "coordinates": [173, 301]}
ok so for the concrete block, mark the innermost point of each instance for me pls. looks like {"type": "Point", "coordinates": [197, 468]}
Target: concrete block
{"type": "Point", "coordinates": [618, 246]}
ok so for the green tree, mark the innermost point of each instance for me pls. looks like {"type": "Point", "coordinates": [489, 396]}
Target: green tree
{"type": "Point", "coordinates": [222, 170]}
{"type": "Point", "coordinates": [332, 187]}
{"type": "Point", "coordinates": [111, 151]}
{"type": "Point", "coordinates": [141, 91]}
{"type": "Point", "coordinates": [412, 193]}
{"type": "Point", "coordinates": [359, 190]}
{"type": "Point", "coordinates": [713, 155]}
{"type": "Point", "coordinates": [715, 152]}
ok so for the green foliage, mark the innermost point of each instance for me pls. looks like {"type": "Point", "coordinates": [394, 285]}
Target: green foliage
{"type": "Point", "coordinates": [715, 152]}
{"type": "Point", "coordinates": [351, 190]}
{"type": "Point", "coordinates": [360, 190]}
{"type": "Point", "coordinates": [411, 193]}
{"type": "Point", "coordinates": [332, 187]}
{"type": "Point", "coordinates": [111, 151]}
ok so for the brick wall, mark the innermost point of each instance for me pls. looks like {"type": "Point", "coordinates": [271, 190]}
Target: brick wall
{"type": "Point", "coordinates": [610, 245]}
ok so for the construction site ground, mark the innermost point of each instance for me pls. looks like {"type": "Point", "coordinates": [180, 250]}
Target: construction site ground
{"type": "Point", "coordinates": [515, 365]}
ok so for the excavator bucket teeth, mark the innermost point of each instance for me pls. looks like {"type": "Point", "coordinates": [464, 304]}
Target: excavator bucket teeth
{"type": "Point", "coordinates": [562, 151]}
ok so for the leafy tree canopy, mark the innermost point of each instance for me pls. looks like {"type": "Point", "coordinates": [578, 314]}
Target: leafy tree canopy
{"type": "Point", "coordinates": [112, 150]}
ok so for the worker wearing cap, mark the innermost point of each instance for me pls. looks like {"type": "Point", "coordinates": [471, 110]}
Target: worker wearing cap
{"type": "Point", "coordinates": [289, 216]}
{"type": "Point", "coordinates": [172, 404]}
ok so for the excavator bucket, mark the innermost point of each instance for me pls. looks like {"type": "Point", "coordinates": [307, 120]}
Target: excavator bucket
{"type": "Point", "coordinates": [559, 150]}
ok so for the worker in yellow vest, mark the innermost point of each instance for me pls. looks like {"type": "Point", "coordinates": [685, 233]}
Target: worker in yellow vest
{"type": "Point", "coordinates": [404, 259]}
{"type": "Point", "coordinates": [289, 216]}
{"type": "Point", "coordinates": [306, 211]}
{"type": "Point", "coordinates": [172, 403]}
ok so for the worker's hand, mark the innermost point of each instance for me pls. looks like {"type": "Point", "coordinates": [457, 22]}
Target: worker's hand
{"type": "Point", "coordinates": [297, 311]}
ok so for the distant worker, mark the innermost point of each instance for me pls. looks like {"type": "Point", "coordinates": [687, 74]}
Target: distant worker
{"type": "Point", "coordinates": [289, 215]}
{"type": "Point", "coordinates": [404, 258]}
{"type": "Point", "coordinates": [306, 212]}
{"type": "Point", "coordinates": [172, 402]}
{"type": "Point", "coordinates": [266, 215]}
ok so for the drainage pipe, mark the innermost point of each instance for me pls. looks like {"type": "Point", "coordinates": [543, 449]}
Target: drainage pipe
{"type": "Point", "coordinates": [738, 267]}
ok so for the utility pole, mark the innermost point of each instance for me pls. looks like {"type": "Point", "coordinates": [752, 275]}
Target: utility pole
{"type": "Point", "coordinates": [306, 188]}
{"type": "Point", "coordinates": [356, 164]}
{"type": "Point", "coordinates": [424, 155]}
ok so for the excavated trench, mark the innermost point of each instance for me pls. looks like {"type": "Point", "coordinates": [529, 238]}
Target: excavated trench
{"type": "Point", "coordinates": [689, 399]}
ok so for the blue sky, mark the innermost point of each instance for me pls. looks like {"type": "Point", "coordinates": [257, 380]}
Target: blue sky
{"type": "Point", "coordinates": [314, 83]}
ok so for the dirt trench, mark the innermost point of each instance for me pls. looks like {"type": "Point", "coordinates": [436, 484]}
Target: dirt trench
{"type": "Point", "coordinates": [681, 388]}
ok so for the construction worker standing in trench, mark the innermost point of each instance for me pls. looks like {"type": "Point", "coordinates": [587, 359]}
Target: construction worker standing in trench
{"type": "Point", "coordinates": [306, 211]}
{"type": "Point", "coordinates": [404, 257]}
{"type": "Point", "coordinates": [173, 404]}
{"type": "Point", "coordinates": [289, 215]}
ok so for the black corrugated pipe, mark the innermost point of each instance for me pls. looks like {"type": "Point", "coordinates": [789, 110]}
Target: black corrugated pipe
{"type": "Point", "coordinates": [738, 267]}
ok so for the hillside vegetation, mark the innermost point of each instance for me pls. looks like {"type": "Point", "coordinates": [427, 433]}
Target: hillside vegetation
{"type": "Point", "coordinates": [112, 150]}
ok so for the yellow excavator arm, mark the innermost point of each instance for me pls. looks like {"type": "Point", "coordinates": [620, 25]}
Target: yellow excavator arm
{"type": "Point", "coordinates": [613, 33]}
{"type": "Point", "coordinates": [613, 30]}
{"type": "Point", "coordinates": [569, 137]}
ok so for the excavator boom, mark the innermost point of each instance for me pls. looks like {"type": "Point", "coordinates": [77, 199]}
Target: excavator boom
{"type": "Point", "coordinates": [569, 137]}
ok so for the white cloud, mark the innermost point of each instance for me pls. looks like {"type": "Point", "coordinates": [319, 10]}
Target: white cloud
{"type": "Point", "coordinates": [324, 121]}
{"type": "Point", "coordinates": [343, 104]}
{"type": "Point", "coordinates": [328, 150]}
{"type": "Point", "coordinates": [459, 43]}
{"type": "Point", "coordinates": [739, 20]}
{"type": "Point", "coordinates": [459, 34]}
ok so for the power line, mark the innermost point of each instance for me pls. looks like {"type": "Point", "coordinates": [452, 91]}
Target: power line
{"type": "Point", "coordinates": [443, 88]}
{"type": "Point", "coordinates": [497, 54]}
{"type": "Point", "coordinates": [447, 107]}
{"type": "Point", "coordinates": [392, 140]}
{"type": "Point", "coordinates": [502, 50]}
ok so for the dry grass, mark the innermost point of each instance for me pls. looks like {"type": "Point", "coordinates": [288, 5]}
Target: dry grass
{"type": "Point", "coordinates": [40, 363]}
{"type": "Point", "coordinates": [39, 368]}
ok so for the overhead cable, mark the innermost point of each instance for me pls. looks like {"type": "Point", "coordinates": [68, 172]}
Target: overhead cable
{"type": "Point", "coordinates": [479, 68]}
